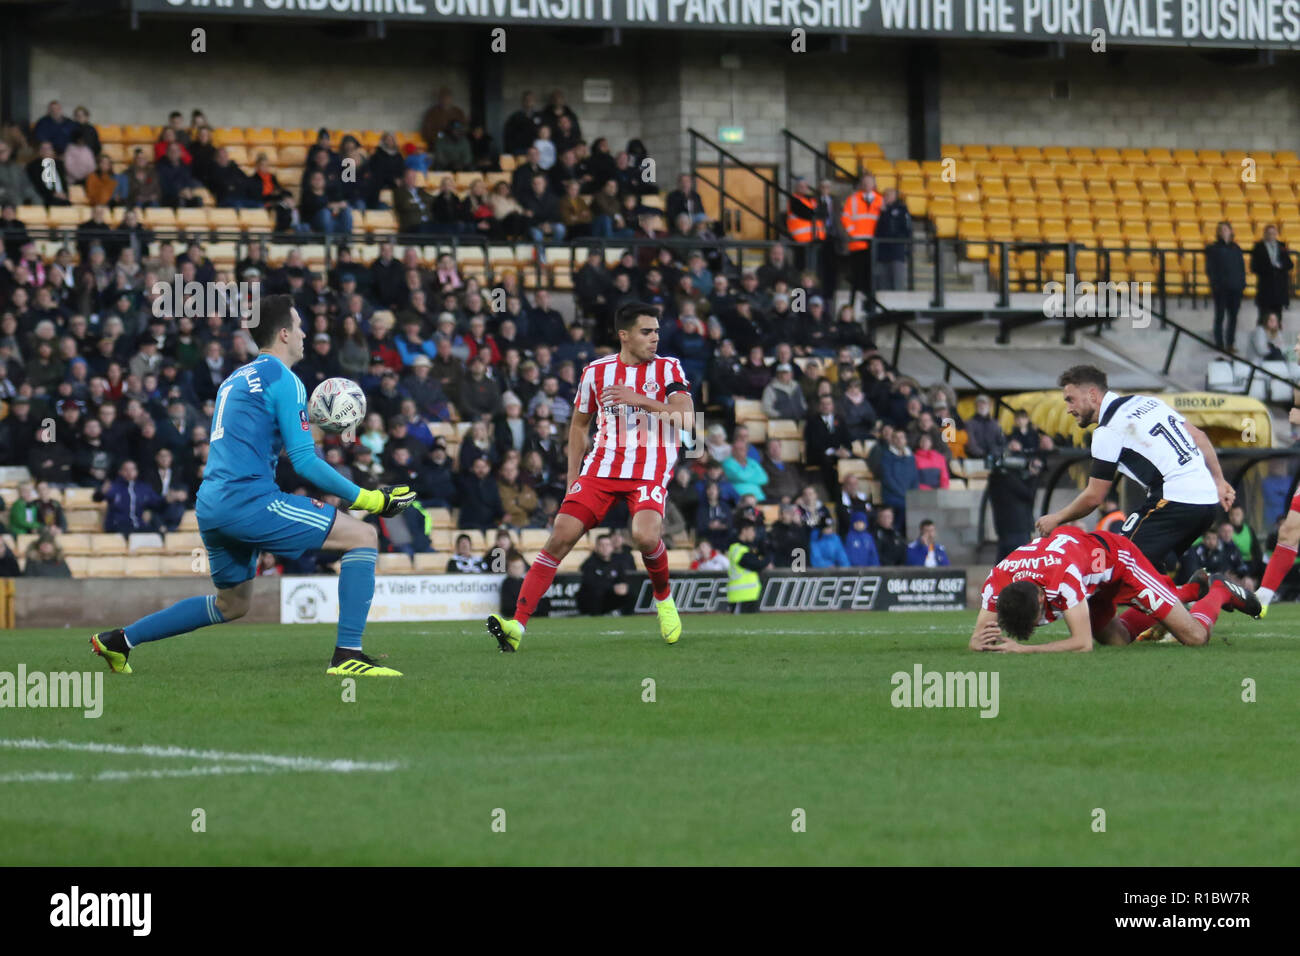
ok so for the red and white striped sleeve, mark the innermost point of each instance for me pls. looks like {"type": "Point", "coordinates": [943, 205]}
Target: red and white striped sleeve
{"type": "Point", "coordinates": [675, 379]}
{"type": "Point", "coordinates": [586, 400]}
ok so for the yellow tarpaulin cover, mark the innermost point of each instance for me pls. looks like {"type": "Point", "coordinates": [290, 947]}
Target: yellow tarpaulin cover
{"type": "Point", "coordinates": [1230, 421]}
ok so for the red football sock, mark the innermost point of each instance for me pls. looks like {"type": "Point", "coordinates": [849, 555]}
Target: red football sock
{"type": "Point", "coordinates": [1278, 565]}
{"type": "Point", "coordinates": [1188, 592]}
{"type": "Point", "coordinates": [656, 565]}
{"type": "Point", "coordinates": [536, 583]}
{"type": "Point", "coordinates": [1136, 621]}
{"type": "Point", "coordinates": [1207, 609]}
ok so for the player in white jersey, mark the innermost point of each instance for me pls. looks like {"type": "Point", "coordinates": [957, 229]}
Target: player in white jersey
{"type": "Point", "coordinates": [1143, 438]}
{"type": "Point", "coordinates": [642, 402]}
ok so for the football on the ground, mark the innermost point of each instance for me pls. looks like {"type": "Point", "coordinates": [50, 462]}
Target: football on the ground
{"type": "Point", "coordinates": [337, 404]}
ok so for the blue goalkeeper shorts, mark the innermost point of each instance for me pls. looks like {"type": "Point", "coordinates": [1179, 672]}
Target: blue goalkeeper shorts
{"type": "Point", "coordinates": [236, 532]}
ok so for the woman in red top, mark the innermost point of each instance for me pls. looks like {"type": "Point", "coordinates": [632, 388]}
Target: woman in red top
{"type": "Point", "coordinates": [166, 139]}
{"type": "Point", "coordinates": [931, 466]}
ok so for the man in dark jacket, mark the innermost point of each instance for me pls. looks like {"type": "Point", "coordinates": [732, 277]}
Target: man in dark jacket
{"type": "Point", "coordinates": [132, 505]}
{"type": "Point", "coordinates": [1271, 263]}
{"type": "Point", "coordinates": [1215, 554]}
{"type": "Point", "coordinates": [480, 501]}
{"type": "Point", "coordinates": [984, 436]}
{"type": "Point", "coordinates": [1225, 267]}
{"type": "Point", "coordinates": [604, 589]}
{"type": "Point", "coordinates": [1011, 495]}
{"type": "Point", "coordinates": [826, 441]}
{"type": "Point", "coordinates": [891, 546]}
{"type": "Point", "coordinates": [788, 538]}
{"type": "Point", "coordinates": [895, 223]}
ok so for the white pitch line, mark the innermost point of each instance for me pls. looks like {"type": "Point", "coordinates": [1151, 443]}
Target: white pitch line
{"type": "Point", "coordinates": [113, 776]}
{"type": "Point", "coordinates": [277, 761]}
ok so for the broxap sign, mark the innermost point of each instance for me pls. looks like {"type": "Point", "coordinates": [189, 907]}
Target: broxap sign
{"type": "Point", "coordinates": [1215, 23]}
{"type": "Point", "coordinates": [888, 590]}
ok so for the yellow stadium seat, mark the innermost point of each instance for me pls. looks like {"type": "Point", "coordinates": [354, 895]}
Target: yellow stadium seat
{"type": "Point", "coordinates": [1159, 155]}
{"type": "Point", "coordinates": [943, 206]}
{"type": "Point", "coordinates": [999, 208]}
{"type": "Point", "coordinates": [1133, 155]}
{"type": "Point", "coordinates": [999, 153]}
{"type": "Point", "coordinates": [999, 230]}
{"type": "Point", "coordinates": [1209, 157]}
{"type": "Point", "coordinates": [1054, 230]}
{"type": "Point", "coordinates": [1055, 154]}
{"type": "Point", "coordinates": [228, 136]}
{"type": "Point", "coordinates": [393, 564]}
{"type": "Point", "coordinates": [1080, 154]}
{"type": "Point", "coordinates": [1066, 172]}
{"type": "Point", "coordinates": [1101, 189]}
{"type": "Point", "coordinates": [945, 227]}
{"type": "Point", "coordinates": [63, 216]}
{"type": "Point", "coordinates": [1105, 209]}
{"type": "Point", "coordinates": [1051, 209]}
{"type": "Point", "coordinates": [1027, 153]}
{"type": "Point", "coordinates": [138, 135]}
{"type": "Point", "coordinates": [259, 136]}
{"type": "Point", "coordinates": [1262, 211]}
{"type": "Point", "coordinates": [974, 151]}
{"type": "Point", "coordinates": [223, 218]}
{"type": "Point", "coordinates": [255, 220]}
{"type": "Point", "coordinates": [192, 218]}
{"type": "Point", "coordinates": [1047, 189]}
{"type": "Point", "coordinates": [292, 154]}
{"type": "Point", "coordinates": [160, 217]}
{"type": "Point", "coordinates": [380, 220]}
{"type": "Point", "coordinates": [1025, 230]}
{"type": "Point", "coordinates": [290, 137]}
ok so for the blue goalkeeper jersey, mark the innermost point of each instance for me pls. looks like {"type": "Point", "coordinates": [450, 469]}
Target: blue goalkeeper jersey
{"type": "Point", "coordinates": [261, 410]}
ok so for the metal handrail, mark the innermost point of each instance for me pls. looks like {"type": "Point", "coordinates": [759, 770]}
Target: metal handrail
{"type": "Point", "coordinates": [823, 157]}
{"type": "Point", "coordinates": [771, 222]}
{"type": "Point", "coordinates": [949, 365]}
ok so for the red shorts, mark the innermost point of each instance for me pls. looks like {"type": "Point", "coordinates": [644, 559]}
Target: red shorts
{"type": "Point", "coordinates": [1133, 582]}
{"type": "Point", "coordinates": [590, 498]}
{"type": "Point", "coordinates": [1295, 503]}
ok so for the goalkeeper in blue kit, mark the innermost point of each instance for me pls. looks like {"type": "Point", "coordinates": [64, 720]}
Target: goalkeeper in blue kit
{"type": "Point", "coordinates": [261, 410]}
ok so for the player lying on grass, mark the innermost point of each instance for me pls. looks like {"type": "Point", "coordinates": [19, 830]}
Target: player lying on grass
{"type": "Point", "coordinates": [261, 409]}
{"type": "Point", "coordinates": [1083, 577]}
{"type": "Point", "coordinates": [1283, 557]}
{"type": "Point", "coordinates": [644, 404]}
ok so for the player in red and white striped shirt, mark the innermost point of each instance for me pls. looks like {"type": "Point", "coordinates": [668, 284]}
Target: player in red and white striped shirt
{"type": "Point", "coordinates": [642, 402]}
{"type": "Point", "coordinates": [1083, 578]}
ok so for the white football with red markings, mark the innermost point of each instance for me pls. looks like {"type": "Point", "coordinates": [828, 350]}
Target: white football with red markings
{"type": "Point", "coordinates": [337, 404]}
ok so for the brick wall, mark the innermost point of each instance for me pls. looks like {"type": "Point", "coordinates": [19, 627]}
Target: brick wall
{"type": "Point", "coordinates": [262, 77]}
{"type": "Point", "coordinates": [1173, 99]}
{"type": "Point", "coordinates": [663, 83]}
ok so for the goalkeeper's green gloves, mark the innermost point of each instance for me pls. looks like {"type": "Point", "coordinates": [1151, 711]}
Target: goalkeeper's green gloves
{"type": "Point", "coordinates": [387, 501]}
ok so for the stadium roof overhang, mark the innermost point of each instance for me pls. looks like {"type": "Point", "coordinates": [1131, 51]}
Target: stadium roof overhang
{"type": "Point", "coordinates": [1098, 24]}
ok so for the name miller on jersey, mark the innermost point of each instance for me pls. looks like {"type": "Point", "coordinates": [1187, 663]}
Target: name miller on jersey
{"type": "Point", "coordinates": [1144, 439]}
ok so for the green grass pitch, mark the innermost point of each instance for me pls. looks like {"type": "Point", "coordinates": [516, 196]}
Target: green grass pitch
{"type": "Point", "coordinates": [754, 718]}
